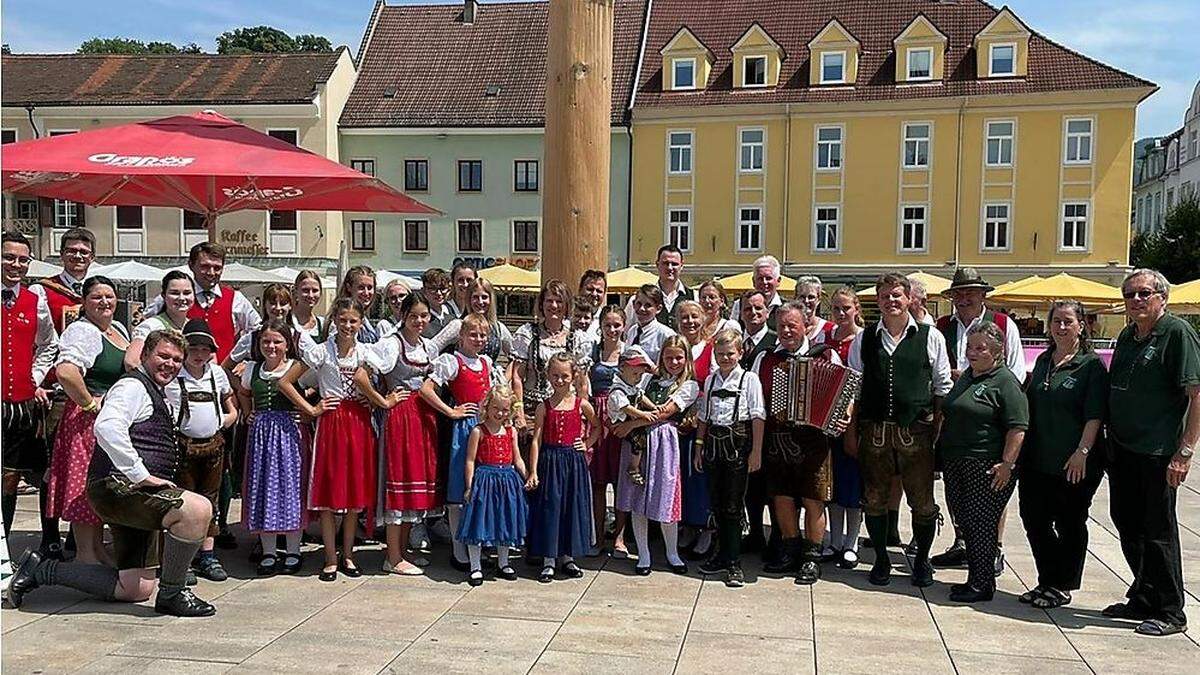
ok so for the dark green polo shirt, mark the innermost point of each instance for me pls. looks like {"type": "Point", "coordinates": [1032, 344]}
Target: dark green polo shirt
{"type": "Point", "coordinates": [1061, 402]}
{"type": "Point", "coordinates": [1147, 397]}
{"type": "Point", "coordinates": [979, 411]}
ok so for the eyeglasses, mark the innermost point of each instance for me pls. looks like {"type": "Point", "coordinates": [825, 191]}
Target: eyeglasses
{"type": "Point", "coordinates": [77, 253]}
{"type": "Point", "coordinates": [1143, 294]}
{"type": "Point", "coordinates": [19, 259]}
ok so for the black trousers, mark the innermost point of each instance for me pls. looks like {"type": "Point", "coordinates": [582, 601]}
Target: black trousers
{"type": "Point", "coordinates": [1142, 506]}
{"type": "Point", "coordinates": [1055, 513]}
{"type": "Point", "coordinates": [978, 509]}
{"type": "Point", "coordinates": [726, 471]}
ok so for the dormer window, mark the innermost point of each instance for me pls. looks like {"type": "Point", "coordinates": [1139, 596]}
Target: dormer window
{"type": "Point", "coordinates": [833, 67]}
{"type": "Point", "coordinates": [684, 74]}
{"type": "Point", "coordinates": [754, 71]}
{"type": "Point", "coordinates": [920, 64]}
{"type": "Point", "coordinates": [1003, 60]}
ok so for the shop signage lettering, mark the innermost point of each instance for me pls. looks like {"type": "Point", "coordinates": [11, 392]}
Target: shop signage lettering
{"type": "Point", "coordinates": [243, 242]}
{"type": "Point", "coordinates": [264, 194]}
{"type": "Point", "coordinates": [484, 262]}
{"type": "Point", "coordinates": [113, 159]}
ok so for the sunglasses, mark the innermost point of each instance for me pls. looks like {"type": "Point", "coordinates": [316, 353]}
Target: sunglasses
{"type": "Point", "coordinates": [1140, 295]}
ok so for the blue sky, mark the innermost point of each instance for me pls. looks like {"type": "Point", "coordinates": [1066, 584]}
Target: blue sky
{"type": "Point", "coordinates": [1152, 38]}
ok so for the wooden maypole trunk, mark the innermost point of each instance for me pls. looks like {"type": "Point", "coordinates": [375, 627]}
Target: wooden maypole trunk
{"type": "Point", "coordinates": [578, 139]}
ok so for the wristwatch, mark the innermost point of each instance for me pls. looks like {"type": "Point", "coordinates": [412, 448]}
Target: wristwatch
{"type": "Point", "coordinates": [1186, 452]}
{"type": "Point", "coordinates": [1084, 450]}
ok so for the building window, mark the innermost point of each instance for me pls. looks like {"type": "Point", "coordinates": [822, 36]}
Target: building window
{"type": "Point", "coordinates": [1000, 143]}
{"type": "Point", "coordinates": [752, 149]}
{"type": "Point", "coordinates": [750, 228]}
{"type": "Point", "coordinates": [680, 143]}
{"type": "Point", "coordinates": [470, 236]}
{"type": "Point", "coordinates": [916, 146]}
{"type": "Point", "coordinates": [416, 175]}
{"type": "Point", "coordinates": [1170, 199]}
{"type": "Point", "coordinates": [1074, 226]}
{"type": "Point", "coordinates": [1003, 60]}
{"type": "Point", "coordinates": [283, 233]}
{"type": "Point", "coordinates": [683, 74]}
{"type": "Point", "coordinates": [362, 235]}
{"type": "Point", "coordinates": [1078, 142]}
{"type": "Point", "coordinates": [1157, 211]}
{"type": "Point", "coordinates": [754, 71]}
{"type": "Point", "coordinates": [416, 236]}
{"type": "Point", "coordinates": [131, 230]}
{"type": "Point", "coordinates": [525, 236]}
{"type": "Point", "coordinates": [525, 175]}
{"type": "Point", "coordinates": [8, 136]}
{"type": "Point", "coordinates": [470, 175]}
{"type": "Point", "coordinates": [679, 229]}
{"type": "Point", "coordinates": [27, 209]}
{"type": "Point", "coordinates": [67, 214]}
{"type": "Point", "coordinates": [286, 135]}
{"type": "Point", "coordinates": [1194, 144]}
{"type": "Point", "coordinates": [920, 64]}
{"type": "Point", "coordinates": [829, 147]}
{"type": "Point", "coordinates": [913, 229]}
{"type": "Point", "coordinates": [833, 67]}
{"type": "Point", "coordinates": [366, 166]}
{"type": "Point", "coordinates": [995, 227]}
{"type": "Point", "coordinates": [825, 229]}
{"type": "Point", "coordinates": [194, 230]}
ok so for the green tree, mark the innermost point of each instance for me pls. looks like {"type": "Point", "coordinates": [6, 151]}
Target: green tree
{"type": "Point", "coordinates": [161, 48]}
{"type": "Point", "coordinates": [313, 43]}
{"type": "Point", "coordinates": [254, 40]}
{"type": "Point", "coordinates": [191, 48]}
{"type": "Point", "coordinates": [1173, 249]}
{"type": "Point", "coordinates": [5, 49]}
{"type": "Point", "coordinates": [113, 45]}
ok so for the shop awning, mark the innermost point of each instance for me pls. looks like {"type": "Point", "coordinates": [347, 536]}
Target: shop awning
{"type": "Point", "coordinates": [512, 277]}
{"type": "Point", "coordinates": [628, 280]}
{"type": "Point", "coordinates": [934, 285]}
{"type": "Point", "coordinates": [740, 283]}
{"type": "Point", "coordinates": [1042, 292]}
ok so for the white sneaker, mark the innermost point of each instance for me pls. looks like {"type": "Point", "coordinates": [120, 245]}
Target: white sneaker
{"type": "Point", "coordinates": [403, 568]}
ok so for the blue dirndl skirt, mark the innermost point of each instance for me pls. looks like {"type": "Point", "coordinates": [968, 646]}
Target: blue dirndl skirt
{"type": "Point", "coordinates": [560, 509]}
{"type": "Point", "coordinates": [456, 477]}
{"type": "Point", "coordinates": [696, 503]}
{"type": "Point", "coordinates": [847, 478]}
{"type": "Point", "coordinates": [497, 513]}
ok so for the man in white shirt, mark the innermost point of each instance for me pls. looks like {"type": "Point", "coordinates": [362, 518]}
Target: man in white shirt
{"type": "Point", "coordinates": [130, 487]}
{"type": "Point", "coordinates": [767, 275]}
{"type": "Point", "coordinates": [593, 285]}
{"type": "Point", "coordinates": [669, 264]}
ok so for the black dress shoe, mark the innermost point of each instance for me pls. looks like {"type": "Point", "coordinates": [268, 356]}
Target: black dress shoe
{"type": "Point", "coordinates": [23, 579]}
{"type": "Point", "coordinates": [971, 594]}
{"type": "Point", "coordinates": [680, 569]}
{"type": "Point", "coordinates": [463, 567]}
{"type": "Point", "coordinates": [881, 571]}
{"type": "Point", "coordinates": [809, 573]}
{"type": "Point", "coordinates": [475, 578]}
{"type": "Point", "coordinates": [352, 572]}
{"type": "Point", "coordinates": [507, 573]}
{"type": "Point", "coordinates": [183, 603]}
{"type": "Point", "coordinates": [955, 556]}
{"type": "Point", "coordinates": [642, 571]}
{"type": "Point", "coordinates": [291, 564]}
{"type": "Point", "coordinates": [572, 571]}
{"type": "Point", "coordinates": [1125, 610]}
{"type": "Point", "coordinates": [714, 565]}
{"type": "Point", "coordinates": [922, 574]}
{"type": "Point", "coordinates": [267, 566]}
{"type": "Point", "coordinates": [327, 575]}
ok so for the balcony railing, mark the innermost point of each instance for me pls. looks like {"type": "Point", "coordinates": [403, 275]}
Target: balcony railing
{"type": "Point", "coordinates": [26, 226]}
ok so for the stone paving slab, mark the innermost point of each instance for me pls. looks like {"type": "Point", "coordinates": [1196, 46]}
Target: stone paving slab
{"type": "Point", "coordinates": [609, 621]}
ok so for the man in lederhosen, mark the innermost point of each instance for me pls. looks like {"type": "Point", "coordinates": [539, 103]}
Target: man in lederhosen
{"type": "Point", "coordinates": [754, 312]}
{"type": "Point", "coordinates": [130, 487]}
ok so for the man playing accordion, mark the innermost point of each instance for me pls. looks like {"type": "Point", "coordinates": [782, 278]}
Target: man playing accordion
{"type": "Point", "coordinates": [796, 458]}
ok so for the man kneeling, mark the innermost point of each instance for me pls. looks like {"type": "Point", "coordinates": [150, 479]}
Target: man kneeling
{"type": "Point", "coordinates": [130, 488]}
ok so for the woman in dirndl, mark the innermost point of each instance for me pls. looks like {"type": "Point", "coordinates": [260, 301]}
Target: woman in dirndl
{"type": "Point", "coordinates": [90, 360]}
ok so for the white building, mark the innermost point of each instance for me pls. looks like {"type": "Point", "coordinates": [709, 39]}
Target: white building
{"type": "Point", "coordinates": [1168, 171]}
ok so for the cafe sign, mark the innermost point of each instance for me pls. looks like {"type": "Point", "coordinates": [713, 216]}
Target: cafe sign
{"type": "Point", "coordinates": [243, 242]}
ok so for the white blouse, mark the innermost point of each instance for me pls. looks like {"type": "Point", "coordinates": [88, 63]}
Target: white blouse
{"type": "Point", "coordinates": [82, 342]}
{"type": "Point", "coordinates": [151, 324]}
{"type": "Point", "coordinates": [335, 375]}
{"type": "Point", "coordinates": [445, 367]}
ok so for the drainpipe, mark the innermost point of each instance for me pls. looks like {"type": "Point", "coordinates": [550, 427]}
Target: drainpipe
{"type": "Point", "coordinates": [29, 111]}
{"type": "Point", "coordinates": [628, 194]}
{"type": "Point", "coordinates": [958, 181]}
{"type": "Point", "coordinates": [787, 185]}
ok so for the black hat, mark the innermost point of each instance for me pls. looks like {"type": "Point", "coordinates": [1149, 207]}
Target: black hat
{"type": "Point", "coordinates": [968, 277]}
{"type": "Point", "coordinates": [198, 334]}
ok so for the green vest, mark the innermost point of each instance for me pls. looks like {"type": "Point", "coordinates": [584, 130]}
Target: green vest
{"type": "Point", "coordinates": [266, 392]}
{"type": "Point", "coordinates": [107, 369]}
{"type": "Point", "coordinates": [897, 387]}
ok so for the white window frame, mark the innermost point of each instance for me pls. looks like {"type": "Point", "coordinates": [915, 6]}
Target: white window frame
{"type": "Point", "coordinates": [282, 243]}
{"type": "Point", "coordinates": [821, 65]}
{"type": "Point", "coordinates": [374, 231]}
{"type": "Point", "coordinates": [184, 245]}
{"type": "Point", "coordinates": [1075, 247]}
{"type": "Point", "coordinates": [743, 144]}
{"type": "Point", "coordinates": [841, 146]}
{"type": "Point", "coordinates": [903, 222]}
{"type": "Point", "coordinates": [992, 59]}
{"type": "Point", "coordinates": [137, 234]}
{"type": "Point", "coordinates": [691, 228]}
{"type": "Point", "coordinates": [374, 165]}
{"type": "Point", "coordinates": [56, 230]}
{"type": "Point", "coordinates": [1012, 144]}
{"type": "Point", "coordinates": [1008, 231]}
{"type": "Point", "coordinates": [404, 236]}
{"type": "Point", "coordinates": [675, 72]}
{"type": "Point", "coordinates": [739, 223]}
{"type": "Point", "coordinates": [691, 145]}
{"type": "Point", "coordinates": [928, 142]}
{"type": "Point", "coordinates": [512, 233]}
{"type": "Point", "coordinates": [1068, 135]}
{"type": "Point", "coordinates": [745, 71]}
{"type": "Point", "coordinates": [908, 64]}
{"type": "Point", "coordinates": [838, 231]}
{"type": "Point", "coordinates": [482, 235]}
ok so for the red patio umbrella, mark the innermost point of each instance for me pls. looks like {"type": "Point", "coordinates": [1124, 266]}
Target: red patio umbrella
{"type": "Point", "coordinates": [203, 162]}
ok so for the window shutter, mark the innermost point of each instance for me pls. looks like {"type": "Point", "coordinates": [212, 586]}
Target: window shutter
{"type": "Point", "coordinates": [81, 214]}
{"type": "Point", "coordinates": [45, 212]}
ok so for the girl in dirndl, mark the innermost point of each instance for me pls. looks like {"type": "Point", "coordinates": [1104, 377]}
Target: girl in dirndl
{"type": "Point", "coordinates": [606, 458]}
{"type": "Point", "coordinates": [271, 479]}
{"type": "Point", "coordinates": [343, 467]}
{"type": "Point", "coordinates": [468, 374]}
{"type": "Point", "coordinates": [496, 512]}
{"type": "Point", "coordinates": [560, 506]}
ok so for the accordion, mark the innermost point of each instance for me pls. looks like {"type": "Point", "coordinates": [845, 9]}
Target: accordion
{"type": "Point", "coordinates": [812, 392]}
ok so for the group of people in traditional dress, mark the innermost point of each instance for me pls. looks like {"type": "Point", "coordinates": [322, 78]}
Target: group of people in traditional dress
{"type": "Point", "coordinates": [439, 422]}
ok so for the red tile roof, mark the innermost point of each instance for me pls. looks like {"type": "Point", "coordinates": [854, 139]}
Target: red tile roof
{"type": "Point", "coordinates": [793, 23]}
{"type": "Point", "coordinates": [422, 67]}
{"type": "Point", "coordinates": [86, 79]}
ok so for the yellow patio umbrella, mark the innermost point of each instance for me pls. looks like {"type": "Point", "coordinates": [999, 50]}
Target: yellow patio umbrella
{"type": "Point", "coordinates": [512, 277]}
{"type": "Point", "coordinates": [740, 283]}
{"type": "Point", "coordinates": [1041, 292]}
{"type": "Point", "coordinates": [1014, 285]}
{"type": "Point", "coordinates": [628, 280]}
{"type": "Point", "coordinates": [1185, 298]}
{"type": "Point", "coordinates": [934, 284]}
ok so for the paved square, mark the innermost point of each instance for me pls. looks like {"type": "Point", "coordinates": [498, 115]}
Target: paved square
{"type": "Point", "coordinates": [610, 621]}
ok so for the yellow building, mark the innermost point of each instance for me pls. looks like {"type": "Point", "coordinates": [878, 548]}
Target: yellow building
{"type": "Point", "coordinates": [898, 134]}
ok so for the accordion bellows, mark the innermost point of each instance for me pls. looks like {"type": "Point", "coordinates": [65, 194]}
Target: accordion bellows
{"type": "Point", "coordinates": [812, 392]}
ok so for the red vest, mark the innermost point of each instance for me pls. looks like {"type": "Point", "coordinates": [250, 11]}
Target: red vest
{"type": "Point", "coordinates": [949, 329]}
{"type": "Point", "coordinates": [20, 331]}
{"type": "Point", "coordinates": [65, 306]}
{"type": "Point", "coordinates": [219, 316]}
{"type": "Point", "coordinates": [469, 386]}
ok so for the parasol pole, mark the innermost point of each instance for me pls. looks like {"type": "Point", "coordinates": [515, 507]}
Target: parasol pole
{"type": "Point", "coordinates": [578, 138]}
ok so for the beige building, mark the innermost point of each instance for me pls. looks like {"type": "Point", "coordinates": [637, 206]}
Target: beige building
{"type": "Point", "coordinates": [294, 97]}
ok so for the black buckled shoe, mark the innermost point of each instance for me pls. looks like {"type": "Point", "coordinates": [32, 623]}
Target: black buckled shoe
{"type": "Point", "coordinates": [955, 556]}
{"type": "Point", "coordinates": [968, 593]}
{"type": "Point", "coordinates": [210, 568]}
{"type": "Point", "coordinates": [23, 579]}
{"type": "Point", "coordinates": [922, 574]}
{"type": "Point", "coordinates": [809, 573]}
{"type": "Point", "coordinates": [184, 603]}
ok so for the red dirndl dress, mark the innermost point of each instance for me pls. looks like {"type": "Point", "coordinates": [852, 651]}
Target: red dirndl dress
{"type": "Point", "coordinates": [410, 462]}
{"type": "Point", "coordinates": [74, 443]}
{"type": "Point", "coordinates": [343, 462]}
